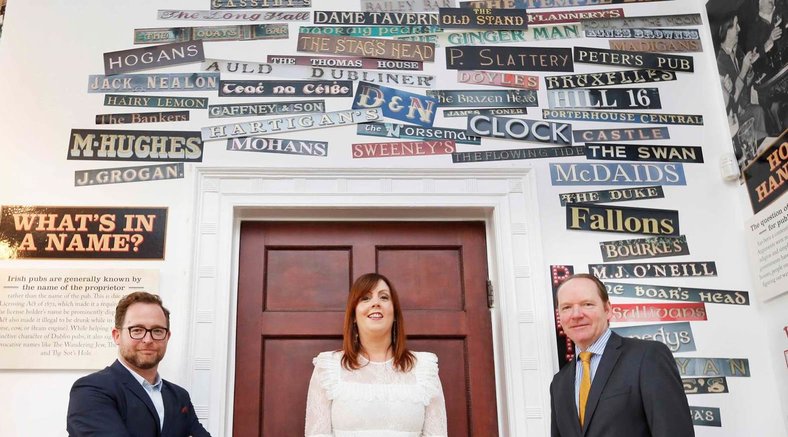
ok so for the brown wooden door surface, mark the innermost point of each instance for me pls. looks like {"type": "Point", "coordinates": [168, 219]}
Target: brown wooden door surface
{"type": "Point", "coordinates": [292, 288]}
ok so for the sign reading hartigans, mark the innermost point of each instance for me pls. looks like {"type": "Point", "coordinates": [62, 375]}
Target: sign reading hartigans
{"type": "Point", "coordinates": [509, 58]}
{"type": "Point", "coordinates": [145, 58]}
{"type": "Point", "coordinates": [171, 14]}
{"type": "Point", "coordinates": [141, 83]}
{"type": "Point", "coordinates": [239, 32]}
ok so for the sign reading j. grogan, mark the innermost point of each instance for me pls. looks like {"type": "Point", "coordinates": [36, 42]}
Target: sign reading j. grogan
{"type": "Point", "coordinates": [509, 58]}
{"type": "Point", "coordinates": [602, 218]}
{"type": "Point", "coordinates": [705, 416]}
{"type": "Point", "coordinates": [82, 232]}
{"type": "Point", "coordinates": [638, 152]}
{"type": "Point", "coordinates": [617, 195]}
{"type": "Point", "coordinates": [653, 270]}
{"type": "Point", "coordinates": [625, 77]}
{"type": "Point", "coordinates": [676, 336]}
{"type": "Point", "coordinates": [512, 154]}
{"type": "Point", "coordinates": [641, 248]}
{"type": "Point", "coordinates": [605, 98]}
{"type": "Point", "coordinates": [623, 134]}
{"type": "Point", "coordinates": [145, 58]}
{"type": "Point", "coordinates": [583, 173]}
{"type": "Point", "coordinates": [367, 47]}
{"type": "Point", "coordinates": [767, 175]}
{"type": "Point", "coordinates": [590, 55]}
{"type": "Point", "coordinates": [134, 145]}
{"type": "Point", "coordinates": [120, 175]}
{"type": "Point", "coordinates": [682, 294]}
{"type": "Point", "coordinates": [694, 386]}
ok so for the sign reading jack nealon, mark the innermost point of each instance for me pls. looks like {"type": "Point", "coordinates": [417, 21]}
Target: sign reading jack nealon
{"type": "Point", "coordinates": [145, 58]}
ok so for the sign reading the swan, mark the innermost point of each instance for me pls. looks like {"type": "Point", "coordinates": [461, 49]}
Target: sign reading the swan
{"type": "Point", "coordinates": [683, 294]}
{"type": "Point", "coordinates": [134, 145]}
{"type": "Point", "coordinates": [145, 58]}
{"type": "Point", "coordinates": [637, 152]}
{"type": "Point", "coordinates": [519, 129]}
{"type": "Point", "coordinates": [599, 218]}
{"type": "Point", "coordinates": [82, 232]}
{"type": "Point", "coordinates": [509, 58]}
{"type": "Point", "coordinates": [653, 270]}
{"type": "Point", "coordinates": [396, 104]}
{"type": "Point", "coordinates": [640, 248]}
{"type": "Point", "coordinates": [367, 47]}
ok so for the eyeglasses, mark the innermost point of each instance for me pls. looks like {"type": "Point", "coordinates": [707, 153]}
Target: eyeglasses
{"type": "Point", "coordinates": [138, 333]}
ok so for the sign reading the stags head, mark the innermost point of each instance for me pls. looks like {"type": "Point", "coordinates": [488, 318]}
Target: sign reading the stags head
{"type": "Point", "coordinates": [81, 232]}
{"type": "Point", "coordinates": [396, 104]}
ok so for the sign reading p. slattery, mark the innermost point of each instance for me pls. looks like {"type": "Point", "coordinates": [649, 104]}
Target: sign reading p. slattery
{"type": "Point", "coordinates": [291, 88]}
{"type": "Point", "coordinates": [589, 55]}
{"type": "Point", "coordinates": [120, 175]}
{"type": "Point", "coordinates": [603, 218]}
{"type": "Point", "coordinates": [638, 152]}
{"type": "Point", "coordinates": [134, 145]}
{"type": "Point", "coordinates": [367, 47]}
{"type": "Point", "coordinates": [640, 248]}
{"type": "Point", "coordinates": [145, 58]}
{"type": "Point", "coordinates": [607, 196]}
{"type": "Point", "coordinates": [509, 58]}
{"type": "Point", "coordinates": [240, 32]}
{"type": "Point", "coordinates": [143, 117]}
{"type": "Point", "coordinates": [140, 83]}
{"type": "Point", "coordinates": [82, 232]}
{"type": "Point", "coordinates": [396, 104]}
{"type": "Point", "coordinates": [483, 18]}
{"type": "Point", "coordinates": [605, 98]}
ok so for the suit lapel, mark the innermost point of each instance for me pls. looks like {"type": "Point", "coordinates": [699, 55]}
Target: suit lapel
{"type": "Point", "coordinates": [171, 405]}
{"type": "Point", "coordinates": [570, 406]}
{"type": "Point", "coordinates": [136, 389]}
{"type": "Point", "coordinates": [606, 366]}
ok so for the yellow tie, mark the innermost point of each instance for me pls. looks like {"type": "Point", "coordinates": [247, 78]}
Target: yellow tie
{"type": "Point", "coordinates": [585, 383]}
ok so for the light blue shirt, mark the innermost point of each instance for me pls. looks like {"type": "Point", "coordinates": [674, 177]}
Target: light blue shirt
{"type": "Point", "coordinates": [597, 349]}
{"type": "Point", "coordinates": [153, 391]}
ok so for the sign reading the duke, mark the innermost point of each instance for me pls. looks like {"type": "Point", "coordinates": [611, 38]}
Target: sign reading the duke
{"type": "Point", "coordinates": [134, 145]}
{"type": "Point", "coordinates": [653, 270]}
{"type": "Point", "coordinates": [600, 218]}
{"type": "Point", "coordinates": [519, 129]}
{"type": "Point", "coordinates": [637, 152]}
{"type": "Point", "coordinates": [82, 232]}
{"type": "Point", "coordinates": [767, 176]}
{"type": "Point", "coordinates": [683, 294]}
{"type": "Point", "coordinates": [509, 58]}
{"type": "Point", "coordinates": [606, 196]}
{"type": "Point", "coordinates": [640, 248]}
{"type": "Point", "coordinates": [396, 104]}
{"type": "Point", "coordinates": [483, 18]}
{"type": "Point", "coordinates": [589, 55]}
{"type": "Point", "coordinates": [625, 77]}
{"type": "Point", "coordinates": [145, 58]}
{"type": "Point", "coordinates": [367, 47]}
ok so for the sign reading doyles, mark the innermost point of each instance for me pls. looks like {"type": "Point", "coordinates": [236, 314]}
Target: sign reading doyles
{"type": "Point", "coordinates": [82, 232]}
{"type": "Point", "coordinates": [62, 319]}
{"type": "Point", "coordinates": [767, 175]}
{"type": "Point", "coordinates": [659, 312]}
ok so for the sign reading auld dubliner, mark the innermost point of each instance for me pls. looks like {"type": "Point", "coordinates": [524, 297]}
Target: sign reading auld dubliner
{"type": "Point", "coordinates": [396, 104]}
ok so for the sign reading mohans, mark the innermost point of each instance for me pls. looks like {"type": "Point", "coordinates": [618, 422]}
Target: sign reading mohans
{"type": "Point", "coordinates": [153, 57]}
{"type": "Point", "coordinates": [375, 18]}
{"type": "Point", "coordinates": [142, 117]}
{"type": "Point", "coordinates": [649, 21]}
{"type": "Point", "coordinates": [618, 195]}
{"type": "Point", "coordinates": [606, 78]}
{"type": "Point", "coordinates": [705, 416]}
{"type": "Point", "coordinates": [408, 132]}
{"type": "Point", "coordinates": [278, 145]}
{"type": "Point", "coordinates": [676, 336]}
{"type": "Point", "coordinates": [156, 101]}
{"type": "Point", "coordinates": [582, 173]}
{"type": "Point", "coordinates": [367, 47]}
{"type": "Point", "coordinates": [683, 294]}
{"type": "Point", "coordinates": [605, 98]}
{"type": "Point", "coordinates": [659, 312]}
{"type": "Point", "coordinates": [273, 108]}
{"type": "Point", "coordinates": [396, 104]}
{"type": "Point", "coordinates": [767, 176]}
{"type": "Point", "coordinates": [259, 4]}
{"type": "Point", "coordinates": [405, 5]}
{"type": "Point", "coordinates": [240, 32]}
{"type": "Point", "coordinates": [623, 117]}
{"type": "Point", "coordinates": [291, 88]}
{"type": "Point", "coordinates": [694, 386]}
{"type": "Point", "coordinates": [120, 175]}
{"type": "Point", "coordinates": [82, 232]}
{"type": "Point", "coordinates": [637, 152]}
{"type": "Point", "coordinates": [642, 33]}
{"type": "Point", "coordinates": [172, 14]}
{"type": "Point", "coordinates": [494, 78]}
{"type": "Point", "coordinates": [448, 113]}
{"type": "Point", "coordinates": [134, 145]}
{"type": "Point", "coordinates": [483, 18]}
{"type": "Point", "coordinates": [629, 134]}
{"type": "Point", "coordinates": [656, 45]}
{"type": "Point", "coordinates": [519, 129]}
{"type": "Point", "coordinates": [509, 58]}
{"type": "Point", "coordinates": [589, 55]}
{"type": "Point", "coordinates": [512, 154]}
{"type": "Point", "coordinates": [405, 148]}
{"type": "Point", "coordinates": [658, 247]}
{"type": "Point", "coordinates": [601, 218]}
{"type": "Point", "coordinates": [713, 366]}
{"type": "Point", "coordinates": [141, 83]}
{"type": "Point", "coordinates": [484, 98]}
{"type": "Point", "coordinates": [653, 270]}
{"type": "Point", "coordinates": [346, 62]}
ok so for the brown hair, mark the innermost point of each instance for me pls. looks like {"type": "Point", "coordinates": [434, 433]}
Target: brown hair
{"type": "Point", "coordinates": [600, 287]}
{"type": "Point", "coordinates": [137, 297]}
{"type": "Point", "coordinates": [351, 345]}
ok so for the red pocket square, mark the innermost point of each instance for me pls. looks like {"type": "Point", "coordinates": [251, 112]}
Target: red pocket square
{"type": "Point", "coordinates": [184, 410]}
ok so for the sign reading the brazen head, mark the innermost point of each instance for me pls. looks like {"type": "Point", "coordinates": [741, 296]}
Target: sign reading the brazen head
{"type": "Point", "coordinates": [82, 232]}
{"type": "Point", "coordinates": [397, 104]}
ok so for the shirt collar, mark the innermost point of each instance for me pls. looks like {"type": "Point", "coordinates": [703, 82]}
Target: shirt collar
{"type": "Point", "coordinates": [143, 382]}
{"type": "Point", "coordinates": [767, 17]}
{"type": "Point", "coordinates": [597, 347]}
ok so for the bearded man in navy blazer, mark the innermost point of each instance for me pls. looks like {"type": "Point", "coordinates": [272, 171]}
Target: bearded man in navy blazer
{"type": "Point", "coordinates": [129, 398]}
{"type": "Point", "coordinates": [635, 387]}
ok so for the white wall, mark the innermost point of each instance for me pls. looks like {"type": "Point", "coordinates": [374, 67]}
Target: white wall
{"type": "Point", "coordinates": [48, 49]}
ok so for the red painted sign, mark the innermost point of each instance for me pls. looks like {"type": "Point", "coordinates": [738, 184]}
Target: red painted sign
{"type": "Point", "coordinates": [659, 312]}
{"type": "Point", "coordinates": [405, 148]}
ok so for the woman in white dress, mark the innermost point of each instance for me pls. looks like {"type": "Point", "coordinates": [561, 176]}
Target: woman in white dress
{"type": "Point", "coordinates": [375, 386]}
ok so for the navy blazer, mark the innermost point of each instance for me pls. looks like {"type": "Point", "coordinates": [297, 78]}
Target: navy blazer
{"type": "Point", "coordinates": [111, 403]}
{"type": "Point", "coordinates": [636, 392]}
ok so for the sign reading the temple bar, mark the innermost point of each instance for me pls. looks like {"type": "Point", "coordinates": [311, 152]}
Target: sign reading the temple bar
{"type": "Point", "coordinates": [705, 416]}
{"type": "Point", "coordinates": [141, 83]}
{"type": "Point", "coordinates": [375, 18]}
{"type": "Point", "coordinates": [278, 145]}
{"type": "Point", "coordinates": [658, 247]}
{"type": "Point", "coordinates": [623, 117]}
{"type": "Point", "coordinates": [290, 88]}
{"type": "Point", "coordinates": [121, 175]}
{"type": "Point", "coordinates": [494, 78]}
{"type": "Point", "coordinates": [625, 77]}
{"type": "Point", "coordinates": [636, 134]}
{"type": "Point", "coordinates": [637, 152]}
{"type": "Point", "coordinates": [618, 195]}
{"type": "Point", "coordinates": [713, 366]}
{"type": "Point", "coordinates": [273, 108]}
{"type": "Point", "coordinates": [589, 55]}
{"type": "Point", "coordinates": [659, 312]}
{"type": "Point", "coordinates": [684, 294]}
{"type": "Point", "coordinates": [134, 145]}
{"type": "Point", "coordinates": [694, 386]}
{"type": "Point", "coordinates": [582, 173]}
{"type": "Point", "coordinates": [656, 45]}
{"type": "Point", "coordinates": [601, 218]}
{"type": "Point", "coordinates": [396, 104]}
{"type": "Point", "coordinates": [259, 4]}
{"type": "Point", "coordinates": [605, 98]}
{"type": "Point", "coordinates": [653, 270]}
{"type": "Point", "coordinates": [156, 101]}
{"type": "Point", "coordinates": [512, 154]}
{"type": "Point", "coordinates": [519, 129]}
{"type": "Point", "coordinates": [642, 33]}
{"type": "Point", "coordinates": [484, 98]}
{"type": "Point", "coordinates": [649, 21]}
{"type": "Point", "coordinates": [82, 232]}
{"type": "Point", "coordinates": [367, 47]}
{"type": "Point", "coordinates": [405, 6]}
{"type": "Point", "coordinates": [676, 336]}
{"type": "Point", "coordinates": [509, 58]}
{"type": "Point", "coordinates": [767, 176]}
{"type": "Point", "coordinates": [172, 14]}
{"type": "Point", "coordinates": [145, 58]}
{"type": "Point", "coordinates": [408, 132]}
{"type": "Point", "coordinates": [483, 18]}
{"type": "Point", "coordinates": [405, 148]}
{"type": "Point", "coordinates": [142, 117]}
{"type": "Point", "coordinates": [345, 62]}
{"type": "Point", "coordinates": [240, 32]}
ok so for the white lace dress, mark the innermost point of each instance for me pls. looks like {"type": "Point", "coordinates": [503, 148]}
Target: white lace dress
{"type": "Point", "coordinates": [375, 400]}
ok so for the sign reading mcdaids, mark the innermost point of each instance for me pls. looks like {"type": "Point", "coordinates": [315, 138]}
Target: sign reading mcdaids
{"type": "Point", "coordinates": [396, 104]}
{"type": "Point", "coordinates": [145, 58]}
{"type": "Point", "coordinates": [483, 18]}
{"type": "Point", "coordinates": [366, 47]}
{"type": "Point", "coordinates": [601, 218]}
{"type": "Point", "coordinates": [134, 145]}
{"type": "Point", "coordinates": [509, 58]}
{"type": "Point", "coordinates": [583, 173]}
{"type": "Point", "coordinates": [141, 83]}
{"type": "Point", "coordinates": [519, 129]}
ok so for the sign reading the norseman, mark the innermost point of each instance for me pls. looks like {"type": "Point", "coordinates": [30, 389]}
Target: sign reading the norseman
{"type": "Point", "coordinates": [396, 104]}
{"type": "Point", "coordinates": [259, 4]}
{"type": "Point", "coordinates": [483, 18]}
{"type": "Point", "coordinates": [767, 176]}
{"type": "Point", "coordinates": [643, 33]}
{"type": "Point", "coordinates": [583, 173]}
{"type": "Point", "coordinates": [405, 148]}
{"type": "Point", "coordinates": [606, 196]}
{"type": "Point", "coordinates": [713, 366]}
{"type": "Point", "coordinates": [705, 416]}
{"type": "Point", "coordinates": [637, 152]}
{"type": "Point", "coordinates": [519, 129]}
{"type": "Point", "coordinates": [626, 77]}
{"type": "Point", "coordinates": [121, 175]}
{"type": "Point", "coordinates": [589, 55]}
{"type": "Point", "coordinates": [367, 47]}
{"type": "Point", "coordinates": [641, 248]}
{"type": "Point", "coordinates": [156, 101]}
{"type": "Point", "coordinates": [494, 78]}
{"type": "Point", "coordinates": [659, 312]}
{"type": "Point", "coordinates": [290, 88]}
{"type": "Point", "coordinates": [484, 98]}
{"type": "Point", "coordinates": [653, 270]}
{"type": "Point", "coordinates": [509, 58]}
{"type": "Point", "coordinates": [82, 232]}
{"type": "Point", "coordinates": [369, 30]}
{"type": "Point", "coordinates": [264, 108]}
{"type": "Point", "coordinates": [573, 16]}
{"type": "Point", "coordinates": [650, 21]}
{"type": "Point", "coordinates": [374, 18]}
{"type": "Point", "coordinates": [278, 145]}
{"type": "Point", "coordinates": [605, 98]}
{"type": "Point", "coordinates": [676, 336]}
{"type": "Point", "coordinates": [694, 386]}
{"type": "Point", "coordinates": [145, 58]}
{"type": "Point", "coordinates": [287, 124]}
{"type": "Point", "coordinates": [172, 14]}
{"type": "Point", "coordinates": [656, 45]}
{"type": "Point", "coordinates": [512, 154]}
{"type": "Point", "coordinates": [623, 117]}
{"type": "Point", "coordinates": [405, 6]}
{"type": "Point", "coordinates": [345, 62]}
{"type": "Point", "coordinates": [636, 134]}
{"type": "Point", "coordinates": [134, 145]}
{"type": "Point", "coordinates": [408, 132]}
{"type": "Point", "coordinates": [603, 218]}
{"type": "Point", "coordinates": [448, 113]}
{"type": "Point", "coordinates": [141, 83]}
{"type": "Point", "coordinates": [142, 117]}
{"type": "Point", "coordinates": [683, 294]}
{"type": "Point", "coordinates": [239, 32]}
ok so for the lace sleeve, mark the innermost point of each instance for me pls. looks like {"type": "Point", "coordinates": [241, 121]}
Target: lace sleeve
{"type": "Point", "coordinates": [318, 405]}
{"type": "Point", "coordinates": [435, 412]}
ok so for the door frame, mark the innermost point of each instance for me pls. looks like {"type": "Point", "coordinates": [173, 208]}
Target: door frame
{"type": "Point", "coordinates": [505, 199]}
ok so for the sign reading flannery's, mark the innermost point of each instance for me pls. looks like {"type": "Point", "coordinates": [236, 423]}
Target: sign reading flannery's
{"type": "Point", "coordinates": [606, 78]}
{"type": "Point", "coordinates": [408, 132]}
{"type": "Point", "coordinates": [484, 98]}
{"type": "Point", "coordinates": [605, 98]}
{"type": "Point", "coordinates": [607, 218]}
{"type": "Point", "coordinates": [509, 58]}
{"type": "Point", "coordinates": [145, 58]}
{"type": "Point", "coordinates": [656, 45]}
{"type": "Point", "coordinates": [367, 47]}
{"type": "Point", "coordinates": [156, 101]}
{"type": "Point", "coordinates": [278, 145]}
{"type": "Point", "coordinates": [396, 104]}
{"type": "Point", "coordinates": [140, 83]}
{"type": "Point", "coordinates": [239, 32]}
{"type": "Point", "coordinates": [659, 312]}
{"type": "Point", "coordinates": [623, 117]}
{"type": "Point", "coordinates": [650, 21]}
{"type": "Point", "coordinates": [583, 173]}
{"type": "Point", "coordinates": [120, 175]}
{"type": "Point", "coordinates": [713, 366]}
{"type": "Point", "coordinates": [295, 123]}
{"type": "Point", "coordinates": [519, 129]}
{"type": "Point", "coordinates": [684, 294]}
{"type": "Point", "coordinates": [291, 88]}
{"type": "Point", "coordinates": [266, 108]}
{"type": "Point", "coordinates": [405, 148]}
{"type": "Point", "coordinates": [369, 30]}
{"type": "Point", "coordinates": [259, 4]}
{"type": "Point", "coordinates": [643, 33]}
{"type": "Point", "coordinates": [346, 62]}
{"type": "Point", "coordinates": [641, 248]}
{"type": "Point", "coordinates": [676, 336]}
{"type": "Point", "coordinates": [494, 78]}
{"type": "Point", "coordinates": [405, 6]}
{"type": "Point", "coordinates": [535, 18]}
{"type": "Point", "coordinates": [134, 145]}
{"type": "Point", "coordinates": [484, 111]}
{"type": "Point", "coordinates": [589, 55]}
{"type": "Point", "coordinates": [694, 386]}
{"type": "Point", "coordinates": [628, 134]}
{"type": "Point", "coordinates": [705, 416]}
{"type": "Point", "coordinates": [483, 18]}
{"type": "Point", "coordinates": [617, 195]}
{"type": "Point", "coordinates": [638, 152]}
{"type": "Point", "coordinates": [374, 18]}
{"type": "Point", "coordinates": [171, 14]}
{"type": "Point", "coordinates": [512, 154]}
{"type": "Point", "coordinates": [143, 117]}
{"type": "Point", "coordinates": [653, 270]}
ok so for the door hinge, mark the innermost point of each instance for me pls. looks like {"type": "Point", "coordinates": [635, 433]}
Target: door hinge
{"type": "Point", "coordinates": [490, 294]}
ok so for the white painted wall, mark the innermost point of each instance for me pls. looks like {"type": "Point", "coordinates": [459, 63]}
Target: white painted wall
{"type": "Point", "coordinates": [48, 48]}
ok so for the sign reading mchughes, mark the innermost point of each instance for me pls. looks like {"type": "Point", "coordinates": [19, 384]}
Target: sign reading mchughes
{"type": "Point", "coordinates": [134, 145]}
{"type": "Point", "coordinates": [122, 175]}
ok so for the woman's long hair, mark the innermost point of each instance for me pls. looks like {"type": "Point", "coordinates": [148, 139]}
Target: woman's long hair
{"type": "Point", "coordinates": [351, 343]}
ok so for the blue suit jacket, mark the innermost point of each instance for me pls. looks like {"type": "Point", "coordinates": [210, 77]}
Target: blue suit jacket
{"type": "Point", "coordinates": [111, 403]}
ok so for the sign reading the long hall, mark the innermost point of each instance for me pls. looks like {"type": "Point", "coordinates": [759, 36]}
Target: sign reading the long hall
{"type": "Point", "coordinates": [602, 218]}
{"type": "Point", "coordinates": [222, 15]}
{"type": "Point", "coordinates": [509, 58]}
{"type": "Point", "coordinates": [367, 47]}
{"type": "Point", "coordinates": [638, 152]}
{"type": "Point", "coordinates": [589, 55]}
{"type": "Point", "coordinates": [640, 248]}
{"type": "Point", "coordinates": [625, 77]}
{"type": "Point", "coordinates": [134, 145]}
{"type": "Point", "coordinates": [82, 232]}
{"type": "Point", "coordinates": [396, 104]}
{"type": "Point", "coordinates": [145, 58]}
{"type": "Point", "coordinates": [653, 270]}
{"type": "Point", "coordinates": [682, 294]}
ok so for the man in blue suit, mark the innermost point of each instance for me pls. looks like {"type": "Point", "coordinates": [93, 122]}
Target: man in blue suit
{"type": "Point", "coordinates": [129, 398]}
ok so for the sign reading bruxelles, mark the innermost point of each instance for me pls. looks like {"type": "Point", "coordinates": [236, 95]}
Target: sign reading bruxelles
{"type": "Point", "coordinates": [509, 58]}
{"type": "Point", "coordinates": [605, 218]}
{"type": "Point", "coordinates": [145, 58]}
{"type": "Point", "coordinates": [239, 32]}
{"type": "Point", "coordinates": [625, 77]}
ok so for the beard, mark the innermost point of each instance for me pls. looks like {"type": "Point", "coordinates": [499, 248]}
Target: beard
{"type": "Point", "coordinates": [140, 361]}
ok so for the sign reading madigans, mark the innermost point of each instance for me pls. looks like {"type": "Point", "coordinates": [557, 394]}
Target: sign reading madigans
{"type": "Point", "coordinates": [367, 47]}
{"type": "Point", "coordinates": [509, 58]}
{"type": "Point", "coordinates": [145, 58]}
{"type": "Point", "coordinates": [767, 176]}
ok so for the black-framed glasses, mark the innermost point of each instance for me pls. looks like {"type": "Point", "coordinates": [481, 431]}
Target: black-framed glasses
{"type": "Point", "coordinates": [138, 332]}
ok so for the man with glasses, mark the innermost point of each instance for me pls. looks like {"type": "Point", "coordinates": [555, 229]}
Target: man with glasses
{"type": "Point", "coordinates": [129, 398]}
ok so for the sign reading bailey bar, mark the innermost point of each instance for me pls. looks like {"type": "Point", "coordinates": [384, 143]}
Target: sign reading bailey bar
{"type": "Point", "coordinates": [618, 195]}
{"type": "Point", "coordinates": [145, 58]}
{"type": "Point", "coordinates": [405, 6]}
{"type": "Point", "coordinates": [627, 134]}
{"type": "Point", "coordinates": [605, 98]}
{"type": "Point", "coordinates": [694, 386]}
{"type": "Point", "coordinates": [367, 47]}
{"type": "Point", "coordinates": [494, 78]}
{"type": "Point", "coordinates": [658, 247]}
{"type": "Point", "coordinates": [705, 416]}
{"type": "Point", "coordinates": [345, 62]}
{"type": "Point", "coordinates": [156, 101]}
{"type": "Point", "coordinates": [396, 104]}
{"type": "Point", "coordinates": [519, 129]}
{"type": "Point", "coordinates": [134, 145]}
{"type": "Point", "coordinates": [637, 152]}
{"type": "Point", "coordinates": [142, 117]}
{"type": "Point", "coordinates": [767, 176]}
{"type": "Point", "coordinates": [589, 55]}
{"type": "Point", "coordinates": [512, 154]}
{"type": "Point", "coordinates": [259, 4]}
{"type": "Point", "coordinates": [713, 366]}
{"type": "Point", "coordinates": [483, 18]}
{"type": "Point", "coordinates": [141, 83]}
{"type": "Point", "coordinates": [653, 270]}
{"type": "Point", "coordinates": [684, 294]}
{"type": "Point", "coordinates": [582, 173]}
{"type": "Point", "coordinates": [649, 21]}
{"type": "Point", "coordinates": [262, 108]}
{"type": "Point", "coordinates": [278, 145]}
{"type": "Point", "coordinates": [240, 32]}
{"type": "Point", "coordinates": [509, 58]}
{"type": "Point", "coordinates": [676, 336]}
{"type": "Point", "coordinates": [120, 175]}
{"type": "Point", "coordinates": [82, 232]}
{"type": "Point", "coordinates": [602, 218]}
{"type": "Point", "coordinates": [375, 18]}
{"type": "Point", "coordinates": [623, 117]}
{"type": "Point", "coordinates": [290, 88]}
{"type": "Point", "coordinates": [484, 98]}
{"type": "Point", "coordinates": [408, 132]}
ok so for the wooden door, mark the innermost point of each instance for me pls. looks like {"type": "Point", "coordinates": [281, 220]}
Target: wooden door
{"type": "Point", "coordinates": [292, 289]}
